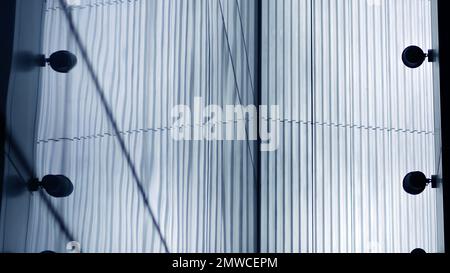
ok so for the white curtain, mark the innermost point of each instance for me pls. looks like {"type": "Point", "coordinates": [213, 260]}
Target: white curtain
{"type": "Point", "coordinates": [149, 57]}
{"type": "Point", "coordinates": [353, 122]}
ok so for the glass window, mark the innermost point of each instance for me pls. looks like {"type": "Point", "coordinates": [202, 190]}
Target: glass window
{"type": "Point", "coordinates": [342, 122]}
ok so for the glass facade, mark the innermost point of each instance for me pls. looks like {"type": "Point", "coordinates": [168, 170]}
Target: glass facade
{"type": "Point", "coordinates": [352, 122]}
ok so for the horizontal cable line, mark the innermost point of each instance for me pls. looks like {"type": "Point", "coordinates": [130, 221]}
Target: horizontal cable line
{"type": "Point", "coordinates": [94, 5]}
{"type": "Point", "coordinates": [352, 126]}
{"type": "Point", "coordinates": [138, 131]}
{"type": "Point", "coordinates": [162, 129]}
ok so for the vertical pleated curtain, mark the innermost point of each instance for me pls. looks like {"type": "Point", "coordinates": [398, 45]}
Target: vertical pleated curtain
{"type": "Point", "coordinates": [353, 122]}
{"type": "Point", "coordinates": [149, 56]}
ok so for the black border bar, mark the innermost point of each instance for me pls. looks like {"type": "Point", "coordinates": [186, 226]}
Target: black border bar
{"type": "Point", "coordinates": [444, 64]}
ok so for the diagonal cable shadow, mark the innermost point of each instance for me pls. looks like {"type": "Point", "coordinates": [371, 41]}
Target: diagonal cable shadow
{"type": "Point", "coordinates": [110, 116]}
{"type": "Point", "coordinates": [244, 41]}
{"type": "Point", "coordinates": [236, 83]}
{"type": "Point", "coordinates": [21, 159]}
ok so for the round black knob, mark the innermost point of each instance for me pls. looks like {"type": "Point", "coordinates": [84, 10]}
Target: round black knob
{"type": "Point", "coordinates": [62, 61]}
{"type": "Point", "coordinates": [418, 251]}
{"type": "Point", "coordinates": [57, 185]}
{"type": "Point", "coordinates": [48, 252]}
{"type": "Point", "coordinates": [413, 56]}
{"type": "Point", "coordinates": [415, 183]}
